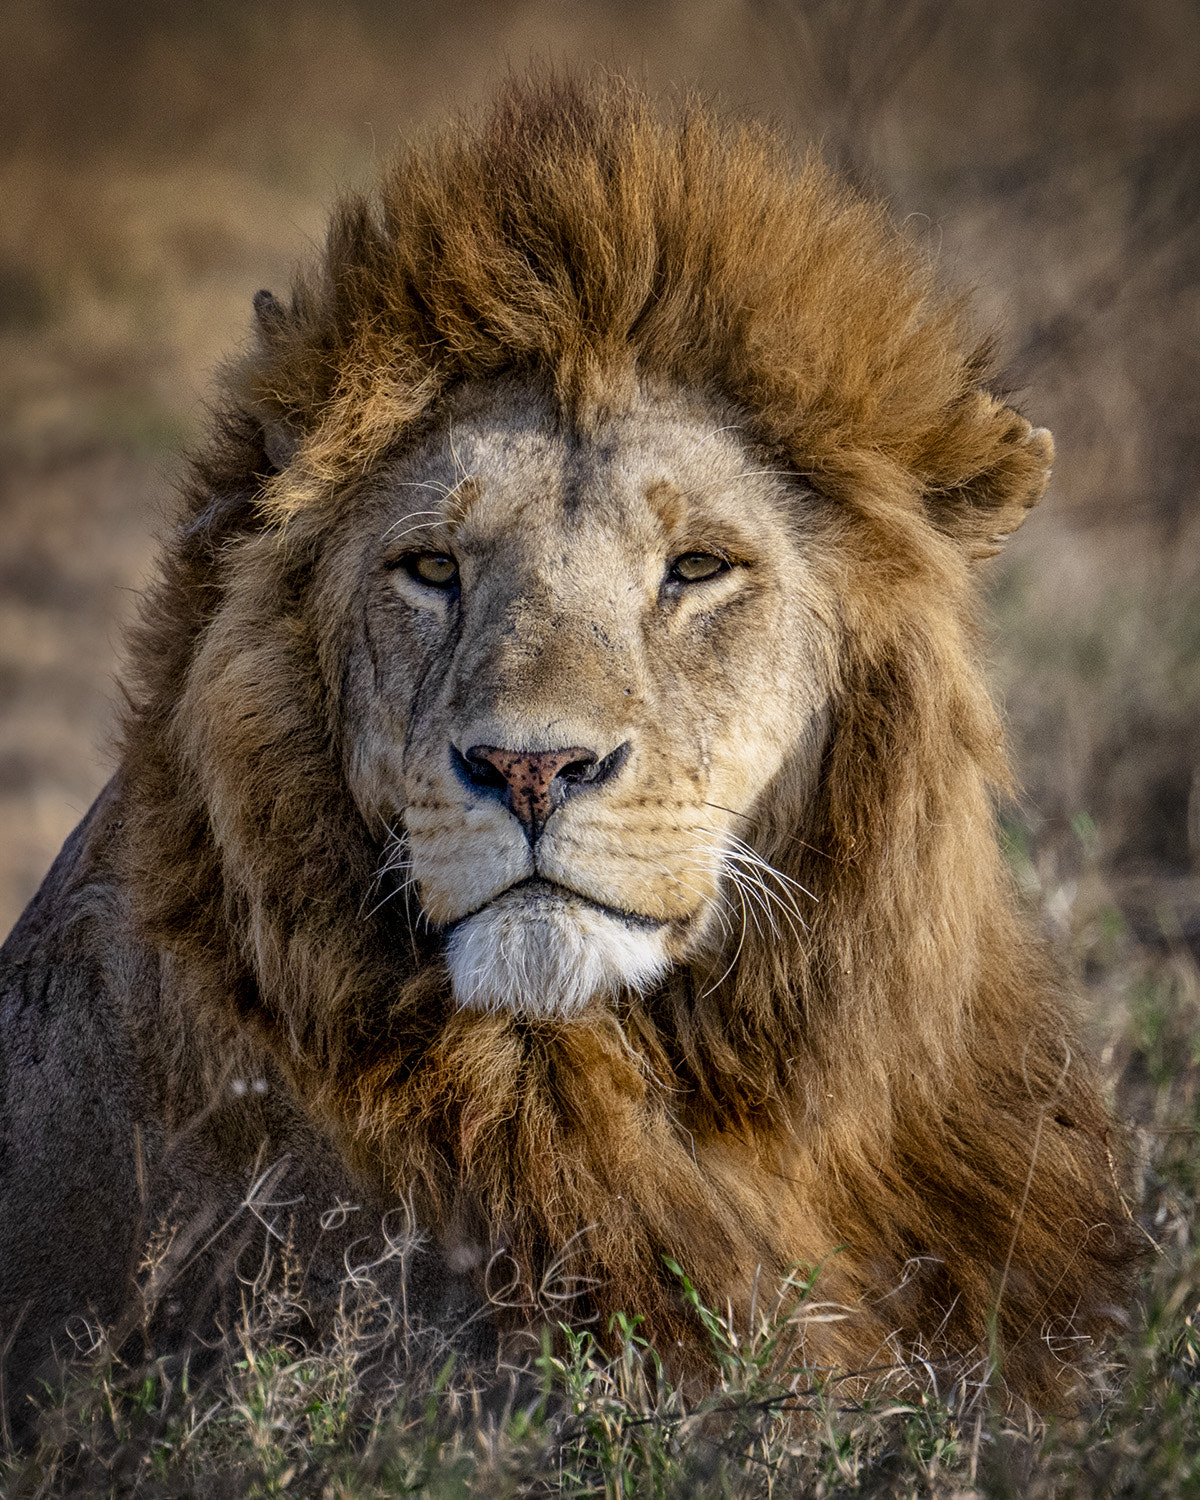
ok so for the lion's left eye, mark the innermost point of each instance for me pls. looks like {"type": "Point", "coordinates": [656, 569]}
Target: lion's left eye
{"type": "Point", "coordinates": [695, 567]}
{"type": "Point", "coordinates": [437, 570]}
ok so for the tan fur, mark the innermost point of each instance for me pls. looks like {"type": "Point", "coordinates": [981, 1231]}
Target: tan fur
{"type": "Point", "coordinates": [893, 1090]}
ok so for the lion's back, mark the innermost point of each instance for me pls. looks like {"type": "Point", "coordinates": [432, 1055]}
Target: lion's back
{"type": "Point", "coordinates": [69, 1199]}
{"type": "Point", "coordinates": [115, 1144]}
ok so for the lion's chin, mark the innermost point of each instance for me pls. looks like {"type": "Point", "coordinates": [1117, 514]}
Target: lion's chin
{"type": "Point", "coordinates": [547, 953]}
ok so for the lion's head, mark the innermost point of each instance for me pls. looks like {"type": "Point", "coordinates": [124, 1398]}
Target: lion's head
{"type": "Point", "coordinates": [580, 661]}
{"type": "Point", "coordinates": [561, 740]}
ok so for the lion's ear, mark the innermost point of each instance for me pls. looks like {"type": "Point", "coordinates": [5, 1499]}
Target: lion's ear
{"type": "Point", "coordinates": [982, 509]}
{"type": "Point", "coordinates": [270, 315]}
{"type": "Point", "coordinates": [281, 438]}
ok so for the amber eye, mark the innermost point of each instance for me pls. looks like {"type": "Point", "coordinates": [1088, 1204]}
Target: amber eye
{"type": "Point", "coordinates": [695, 567]}
{"type": "Point", "coordinates": [437, 570]}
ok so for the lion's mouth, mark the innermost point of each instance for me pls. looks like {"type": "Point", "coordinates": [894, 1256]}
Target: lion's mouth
{"type": "Point", "coordinates": [542, 949]}
{"type": "Point", "coordinates": [548, 894]}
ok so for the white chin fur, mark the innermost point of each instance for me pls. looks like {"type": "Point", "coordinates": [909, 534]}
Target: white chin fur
{"type": "Point", "coordinates": [546, 955]}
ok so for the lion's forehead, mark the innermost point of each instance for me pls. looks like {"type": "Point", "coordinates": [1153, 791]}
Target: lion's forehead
{"type": "Point", "coordinates": [508, 468]}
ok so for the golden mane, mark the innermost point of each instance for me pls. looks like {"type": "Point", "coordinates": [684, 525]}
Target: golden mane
{"type": "Point", "coordinates": [912, 1050]}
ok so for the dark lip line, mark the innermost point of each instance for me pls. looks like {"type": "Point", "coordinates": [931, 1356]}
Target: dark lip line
{"type": "Point", "coordinates": [632, 918]}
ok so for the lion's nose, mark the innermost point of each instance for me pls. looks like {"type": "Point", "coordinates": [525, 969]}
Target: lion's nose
{"type": "Point", "coordinates": [535, 783]}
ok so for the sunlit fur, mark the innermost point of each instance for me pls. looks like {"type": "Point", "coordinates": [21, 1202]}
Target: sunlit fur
{"type": "Point", "coordinates": [884, 1078]}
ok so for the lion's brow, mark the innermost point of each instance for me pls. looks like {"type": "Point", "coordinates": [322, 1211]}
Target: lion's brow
{"type": "Point", "coordinates": [460, 500]}
{"type": "Point", "coordinates": [667, 503]}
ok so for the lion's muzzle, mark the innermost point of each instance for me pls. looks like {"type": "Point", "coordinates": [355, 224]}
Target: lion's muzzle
{"type": "Point", "coordinates": [541, 950]}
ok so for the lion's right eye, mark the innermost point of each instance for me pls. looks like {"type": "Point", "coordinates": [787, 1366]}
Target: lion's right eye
{"type": "Point", "coordinates": [695, 567]}
{"type": "Point", "coordinates": [437, 570]}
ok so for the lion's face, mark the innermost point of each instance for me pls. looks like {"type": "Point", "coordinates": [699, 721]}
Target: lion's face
{"type": "Point", "coordinates": [582, 660]}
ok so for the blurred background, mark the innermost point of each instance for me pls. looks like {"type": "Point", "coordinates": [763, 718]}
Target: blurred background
{"type": "Point", "coordinates": [164, 160]}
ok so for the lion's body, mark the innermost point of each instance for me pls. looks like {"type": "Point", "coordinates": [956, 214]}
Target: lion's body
{"type": "Point", "coordinates": [561, 762]}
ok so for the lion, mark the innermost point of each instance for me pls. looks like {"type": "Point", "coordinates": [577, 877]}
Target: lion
{"type": "Point", "coordinates": [557, 793]}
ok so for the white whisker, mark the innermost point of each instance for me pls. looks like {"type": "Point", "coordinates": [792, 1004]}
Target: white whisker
{"type": "Point", "coordinates": [737, 952]}
{"type": "Point", "coordinates": [761, 888]}
{"type": "Point", "coordinates": [397, 858]}
{"type": "Point", "coordinates": [419, 520]}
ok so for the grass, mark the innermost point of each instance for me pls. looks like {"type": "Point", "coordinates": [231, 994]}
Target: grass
{"type": "Point", "coordinates": [273, 1419]}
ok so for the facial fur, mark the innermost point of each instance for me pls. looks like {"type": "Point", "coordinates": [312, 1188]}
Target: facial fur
{"type": "Point", "coordinates": [568, 625]}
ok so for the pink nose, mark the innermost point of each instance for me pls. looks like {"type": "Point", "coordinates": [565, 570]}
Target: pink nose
{"type": "Point", "coordinates": [536, 780]}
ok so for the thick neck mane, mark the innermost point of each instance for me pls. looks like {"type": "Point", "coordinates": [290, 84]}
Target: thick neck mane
{"type": "Point", "coordinates": [895, 1077]}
